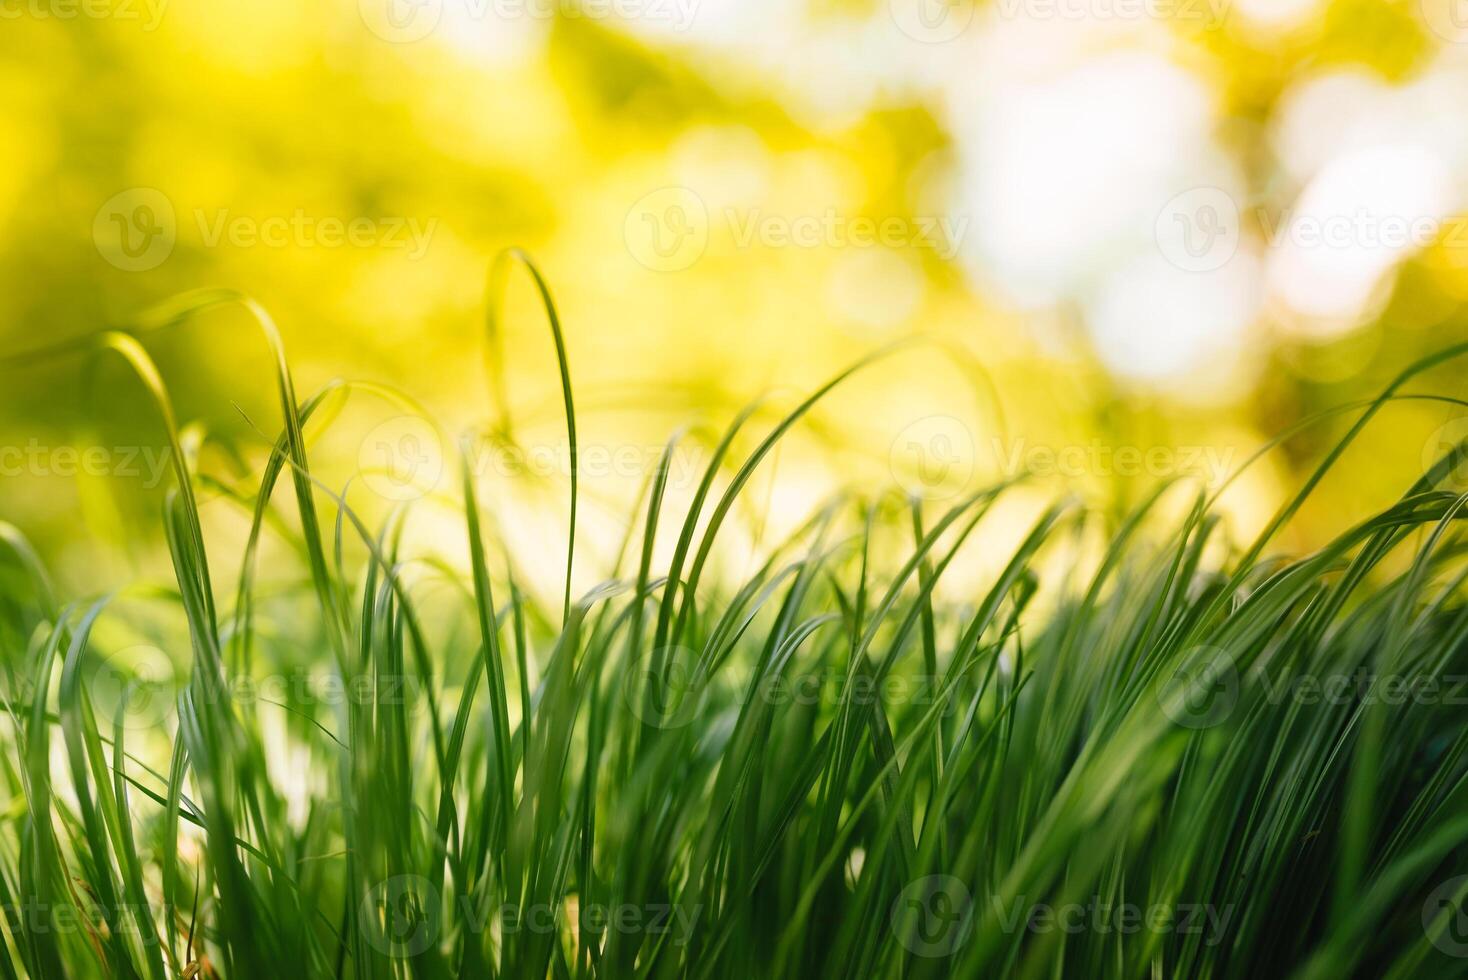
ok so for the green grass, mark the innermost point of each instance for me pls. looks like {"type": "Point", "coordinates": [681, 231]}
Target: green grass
{"type": "Point", "coordinates": [1189, 756]}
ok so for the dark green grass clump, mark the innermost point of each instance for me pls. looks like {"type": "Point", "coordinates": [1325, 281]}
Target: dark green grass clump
{"type": "Point", "coordinates": [1181, 757]}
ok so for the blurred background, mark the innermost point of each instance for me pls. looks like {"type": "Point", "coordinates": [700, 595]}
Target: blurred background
{"type": "Point", "coordinates": [1141, 239]}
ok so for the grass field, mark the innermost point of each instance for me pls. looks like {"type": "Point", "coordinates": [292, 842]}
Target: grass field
{"type": "Point", "coordinates": [1184, 755]}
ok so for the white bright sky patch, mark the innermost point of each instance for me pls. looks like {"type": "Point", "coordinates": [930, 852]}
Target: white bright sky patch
{"type": "Point", "coordinates": [1318, 119]}
{"type": "Point", "coordinates": [1370, 159]}
{"type": "Point", "coordinates": [1275, 14]}
{"type": "Point", "coordinates": [1071, 139]}
{"type": "Point", "coordinates": [722, 23]}
{"type": "Point", "coordinates": [1153, 321]}
{"type": "Point", "coordinates": [1324, 117]}
{"type": "Point", "coordinates": [1072, 134]}
{"type": "Point", "coordinates": [1063, 170]}
{"type": "Point", "coordinates": [1355, 221]}
{"type": "Point", "coordinates": [479, 32]}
